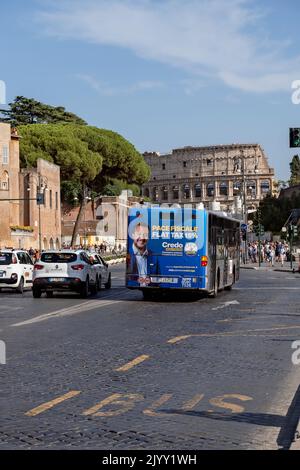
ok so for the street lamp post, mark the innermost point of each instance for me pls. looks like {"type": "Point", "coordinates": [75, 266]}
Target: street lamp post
{"type": "Point", "coordinates": [87, 198]}
{"type": "Point", "coordinates": [244, 206]}
{"type": "Point", "coordinates": [40, 199]}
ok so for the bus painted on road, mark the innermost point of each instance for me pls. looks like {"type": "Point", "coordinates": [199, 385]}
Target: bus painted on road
{"type": "Point", "coordinates": [181, 248]}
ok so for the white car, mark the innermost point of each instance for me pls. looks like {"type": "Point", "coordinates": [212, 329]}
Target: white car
{"type": "Point", "coordinates": [66, 270]}
{"type": "Point", "coordinates": [102, 269]}
{"type": "Point", "coordinates": [16, 268]}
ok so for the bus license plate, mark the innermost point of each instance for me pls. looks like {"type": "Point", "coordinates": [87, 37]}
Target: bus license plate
{"type": "Point", "coordinates": [165, 280]}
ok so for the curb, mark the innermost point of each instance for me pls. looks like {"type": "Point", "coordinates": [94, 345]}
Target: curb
{"type": "Point", "coordinates": [284, 270]}
{"type": "Point", "coordinates": [265, 268]}
{"type": "Point", "coordinates": [295, 445]}
{"type": "Point", "coordinates": [116, 261]}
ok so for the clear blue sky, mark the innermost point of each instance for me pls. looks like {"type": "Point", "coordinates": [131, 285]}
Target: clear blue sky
{"type": "Point", "coordinates": [163, 73]}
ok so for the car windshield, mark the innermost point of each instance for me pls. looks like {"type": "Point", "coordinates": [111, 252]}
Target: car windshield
{"type": "Point", "coordinates": [7, 258]}
{"type": "Point", "coordinates": [58, 257]}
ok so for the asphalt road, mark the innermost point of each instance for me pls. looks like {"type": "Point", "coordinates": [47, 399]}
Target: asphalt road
{"type": "Point", "coordinates": [117, 372]}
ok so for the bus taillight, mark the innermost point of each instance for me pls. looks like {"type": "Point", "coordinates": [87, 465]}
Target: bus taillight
{"type": "Point", "coordinates": [204, 261]}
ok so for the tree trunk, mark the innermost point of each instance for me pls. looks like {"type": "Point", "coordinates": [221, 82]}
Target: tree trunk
{"type": "Point", "coordinates": [79, 218]}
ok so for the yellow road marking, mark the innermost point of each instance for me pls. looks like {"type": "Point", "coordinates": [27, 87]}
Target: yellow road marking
{"type": "Point", "coordinates": [220, 403]}
{"type": "Point", "coordinates": [250, 318]}
{"type": "Point", "coordinates": [50, 404]}
{"type": "Point", "coordinates": [157, 404]}
{"type": "Point", "coordinates": [293, 327]}
{"type": "Point", "coordinates": [125, 401]}
{"type": "Point", "coordinates": [178, 338]}
{"type": "Point", "coordinates": [190, 404]}
{"type": "Point", "coordinates": [232, 333]}
{"type": "Point", "coordinates": [102, 403]}
{"type": "Point", "coordinates": [133, 363]}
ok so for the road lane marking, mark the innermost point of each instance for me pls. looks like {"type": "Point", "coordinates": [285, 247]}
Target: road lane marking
{"type": "Point", "coordinates": [157, 404]}
{"type": "Point", "coordinates": [133, 363]}
{"type": "Point", "coordinates": [50, 404]}
{"type": "Point", "coordinates": [267, 288]}
{"type": "Point", "coordinates": [126, 400]}
{"type": "Point", "coordinates": [251, 318]}
{"type": "Point", "coordinates": [232, 333]}
{"type": "Point", "coordinates": [226, 304]}
{"type": "Point", "coordinates": [5, 308]}
{"type": "Point", "coordinates": [68, 311]}
{"type": "Point", "coordinates": [190, 404]}
{"type": "Point", "coordinates": [178, 338]}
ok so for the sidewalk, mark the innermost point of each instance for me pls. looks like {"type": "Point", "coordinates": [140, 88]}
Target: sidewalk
{"type": "Point", "coordinates": [267, 267]}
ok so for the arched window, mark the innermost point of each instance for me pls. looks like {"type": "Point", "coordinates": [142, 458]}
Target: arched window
{"type": "Point", "coordinates": [210, 189]}
{"type": "Point", "coordinates": [165, 193]}
{"type": "Point", "coordinates": [223, 188]}
{"type": "Point", "coordinates": [175, 191]}
{"type": "Point", "coordinates": [265, 186]}
{"type": "Point", "coordinates": [186, 191]}
{"type": "Point", "coordinates": [155, 194]}
{"type": "Point", "coordinates": [198, 192]}
{"type": "Point", "coordinates": [237, 186]}
{"type": "Point", "coordinates": [4, 180]}
{"type": "Point", "coordinates": [251, 188]}
{"type": "Point", "coordinates": [146, 192]}
{"type": "Point", "coordinates": [45, 243]}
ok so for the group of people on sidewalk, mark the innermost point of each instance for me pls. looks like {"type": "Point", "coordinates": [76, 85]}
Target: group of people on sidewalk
{"type": "Point", "coordinates": [270, 252]}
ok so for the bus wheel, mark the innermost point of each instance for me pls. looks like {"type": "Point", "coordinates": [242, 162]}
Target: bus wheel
{"type": "Point", "coordinates": [233, 281]}
{"type": "Point", "coordinates": [214, 293]}
{"type": "Point", "coordinates": [147, 294]}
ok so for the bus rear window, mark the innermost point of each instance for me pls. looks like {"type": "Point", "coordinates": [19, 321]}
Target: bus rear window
{"type": "Point", "coordinates": [58, 257]}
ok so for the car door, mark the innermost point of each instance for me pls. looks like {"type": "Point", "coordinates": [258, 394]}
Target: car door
{"type": "Point", "coordinates": [24, 271]}
{"type": "Point", "coordinates": [104, 269]}
{"type": "Point", "coordinates": [29, 267]}
{"type": "Point", "coordinates": [89, 267]}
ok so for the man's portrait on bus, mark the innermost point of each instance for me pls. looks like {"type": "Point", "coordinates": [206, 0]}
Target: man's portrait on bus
{"type": "Point", "coordinates": [143, 262]}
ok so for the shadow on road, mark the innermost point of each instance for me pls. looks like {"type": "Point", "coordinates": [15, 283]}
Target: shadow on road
{"type": "Point", "coordinates": [259, 419]}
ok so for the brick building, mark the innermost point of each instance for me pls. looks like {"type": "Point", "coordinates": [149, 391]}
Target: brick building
{"type": "Point", "coordinates": [104, 220]}
{"type": "Point", "coordinates": [206, 174]}
{"type": "Point", "coordinates": [22, 221]}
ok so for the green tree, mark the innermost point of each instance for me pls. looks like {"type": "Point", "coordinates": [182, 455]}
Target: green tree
{"type": "Point", "coordinates": [114, 187]}
{"type": "Point", "coordinates": [274, 212]}
{"type": "Point", "coordinates": [29, 111]}
{"type": "Point", "coordinates": [295, 170]}
{"type": "Point", "coordinates": [89, 157]}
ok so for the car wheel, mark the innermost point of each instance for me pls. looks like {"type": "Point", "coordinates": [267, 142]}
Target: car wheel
{"type": "Point", "coordinates": [94, 288]}
{"type": "Point", "coordinates": [99, 283]}
{"type": "Point", "coordinates": [20, 288]}
{"type": "Point", "coordinates": [85, 289]}
{"type": "Point", "coordinates": [49, 294]}
{"type": "Point", "coordinates": [107, 285]}
{"type": "Point", "coordinates": [36, 293]}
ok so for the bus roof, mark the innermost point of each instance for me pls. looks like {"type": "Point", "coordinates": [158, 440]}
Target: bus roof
{"type": "Point", "coordinates": [221, 214]}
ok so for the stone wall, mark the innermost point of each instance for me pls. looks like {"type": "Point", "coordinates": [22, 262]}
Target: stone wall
{"type": "Point", "coordinates": [204, 174]}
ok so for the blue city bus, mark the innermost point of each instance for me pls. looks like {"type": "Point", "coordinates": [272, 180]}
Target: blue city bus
{"type": "Point", "coordinates": [181, 248]}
